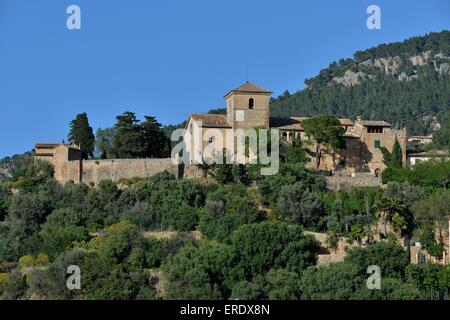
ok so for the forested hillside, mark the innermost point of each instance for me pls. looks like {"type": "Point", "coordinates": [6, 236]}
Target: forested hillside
{"type": "Point", "coordinates": [407, 84]}
{"type": "Point", "coordinates": [237, 235]}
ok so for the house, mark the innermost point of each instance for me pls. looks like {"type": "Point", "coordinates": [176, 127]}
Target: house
{"type": "Point", "coordinates": [415, 157]}
{"type": "Point", "coordinates": [420, 139]}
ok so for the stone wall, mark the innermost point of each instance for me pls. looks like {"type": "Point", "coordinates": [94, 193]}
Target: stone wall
{"type": "Point", "coordinates": [94, 171]}
{"type": "Point", "coordinates": [339, 182]}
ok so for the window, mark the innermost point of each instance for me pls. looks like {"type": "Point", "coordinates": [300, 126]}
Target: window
{"type": "Point", "coordinates": [377, 144]}
{"type": "Point", "coordinates": [211, 139]}
{"type": "Point", "coordinates": [251, 103]}
{"type": "Point", "coordinates": [375, 129]}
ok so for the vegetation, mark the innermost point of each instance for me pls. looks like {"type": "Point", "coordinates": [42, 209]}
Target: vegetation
{"type": "Point", "coordinates": [134, 139]}
{"type": "Point", "coordinates": [240, 235]}
{"type": "Point", "coordinates": [252, 243]}
{"type": "Point", "coordinates": [325, 130]}
{"type": "Point", "coordinates": [416, 104]}
{"type": "Point", "coordinates": [82, 135]}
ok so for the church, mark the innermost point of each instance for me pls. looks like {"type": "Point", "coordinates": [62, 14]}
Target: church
{"type": "Point", "coordinates": [248, 107]}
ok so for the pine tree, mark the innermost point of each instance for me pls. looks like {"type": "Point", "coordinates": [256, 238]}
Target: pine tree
{"type": "Point", "coordinates": [81, 134]}
{"type": "Point", "coordinates": [126, 142]}
{"type": "Point", "coordinates": [154, 142]}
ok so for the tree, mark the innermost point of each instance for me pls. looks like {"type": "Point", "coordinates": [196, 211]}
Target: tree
{"type": "Point", "coordinates": [266, 245]}
{"type": "Point", "coordinates": [225, 210]}
{"type": "Point", "coordinates": [82, 135]}
{"type": "Point", "coordinates": [296, 153]}
{"type": "Point", "coordinates": [104, 142]}
{"type": "Point", "coordinates": [198, 272]}
{"type": "Point", "coordinates": [432, 212]}
{"type": "Point", "coordinates": [153, 140]}
{"type": "Point", "coordinates": [326, 131]}
{"type": "Point", "coordinates": [394, 212]}
{"type": "Point", "coordinates": [296, 204]}
{"type": "Point", "coordinates": [396, 155]}
{"type": "Point", "coordinates": [126, 142]}
{"type": "Point", "coordinates": [135, 139]}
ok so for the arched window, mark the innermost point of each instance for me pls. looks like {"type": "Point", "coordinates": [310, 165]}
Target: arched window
{"type": "Point", "coordinates": [251, 103]}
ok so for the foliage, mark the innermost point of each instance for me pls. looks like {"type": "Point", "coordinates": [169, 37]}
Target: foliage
{"type": "Point", "coordinates": [104, 142]}
{"type": "Point", "coordinates": [296, 204]}
{"type": "Point", "coordinates": [82, 135]}
{"type": "Point", "coordinates": [270, 186]}
{"type": "Point", "coordinates": [134, 139]}
{"type": "Point", "coordinates": [432, 211]}
{"type": "Point", "coordinates": [326, 132]}
{"type": "Point", "coordinates": [225, 210]}
{"type": "Point", "coordinates": [296, 153]}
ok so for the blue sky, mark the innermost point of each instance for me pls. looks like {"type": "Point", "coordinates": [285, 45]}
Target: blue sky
{"type": "Point", "coordinates": [173, 57]}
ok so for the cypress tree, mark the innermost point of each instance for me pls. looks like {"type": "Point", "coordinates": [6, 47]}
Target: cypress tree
{"type": "Point", "coordinates": [81, 134]}
{"type": "Point", "coordinates": [396, 155]}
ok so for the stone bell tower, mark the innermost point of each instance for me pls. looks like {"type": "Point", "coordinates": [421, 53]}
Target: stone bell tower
{"type": "Point", "coordinates": [248, 106]}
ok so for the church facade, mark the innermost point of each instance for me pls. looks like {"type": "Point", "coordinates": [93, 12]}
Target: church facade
{"type": "Point", "coordinates": [247, 107]}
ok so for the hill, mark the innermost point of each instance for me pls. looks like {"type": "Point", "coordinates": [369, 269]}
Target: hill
{"type": "Point", "coordinates": [407, 84]}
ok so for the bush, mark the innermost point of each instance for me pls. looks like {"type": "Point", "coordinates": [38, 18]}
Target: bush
{"type": "Point", "coordinates": [296, 204]}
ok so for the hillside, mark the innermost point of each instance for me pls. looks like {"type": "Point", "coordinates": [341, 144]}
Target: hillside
{"type": "Point", "coordinates": [407, 84]}
{"type": "Point", "coordinates": [11, 166]}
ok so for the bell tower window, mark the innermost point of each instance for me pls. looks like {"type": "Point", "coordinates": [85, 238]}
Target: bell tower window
{"type": "Point", "coordinates": [251, 103]}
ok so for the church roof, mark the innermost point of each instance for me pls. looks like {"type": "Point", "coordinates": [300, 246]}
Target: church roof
{"type": "Point", "coordinates": [249, 87]}
{"type": "Point", "coordinates": [291, 123]}
{"type": "Point", "coordinates": [211, 120]}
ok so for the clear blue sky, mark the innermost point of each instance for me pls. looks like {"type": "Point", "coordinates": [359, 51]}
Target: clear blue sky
{"type": "Point", "coordinates": [170, 58]}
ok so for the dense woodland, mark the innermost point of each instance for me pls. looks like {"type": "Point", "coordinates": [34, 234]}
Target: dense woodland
{"type": "Point", "coordinates": [249, 241]}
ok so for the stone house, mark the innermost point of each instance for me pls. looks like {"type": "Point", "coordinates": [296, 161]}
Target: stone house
{"type": "Point", "coordinates": [247, 107]}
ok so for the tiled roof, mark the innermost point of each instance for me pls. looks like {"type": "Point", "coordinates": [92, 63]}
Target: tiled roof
{"type": "Point", "coordinates": [249, 87]}
{"type": "Point", "coordinates": [46, 145]}
{"type": "Point", "coordinates": [51, 145]}
{"type": "Point", "coordinates": [346, 122]}
{"type": "Point", "coordinates": [294, 123]}
{"type": "Point", "coordinates": [211, 120]}
{"type": "Point", "coordinates": [431, 154]}
{"type": "Point", "coordinates": [291, 123]}
{"type": "Point", "coordinates": [351, 135]}
{"type": "Point", "coordinates": [373, 123]}
{"type": "Point", "coordinates": [421, 137]}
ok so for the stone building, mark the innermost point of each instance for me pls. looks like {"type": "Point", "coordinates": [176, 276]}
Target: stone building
{"type": "Point", "coordinates": [247, 107]}
{"type": "Point", "coordinates": [69, 166]}
{"type": "Point", "coordinates": [65, 158]}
